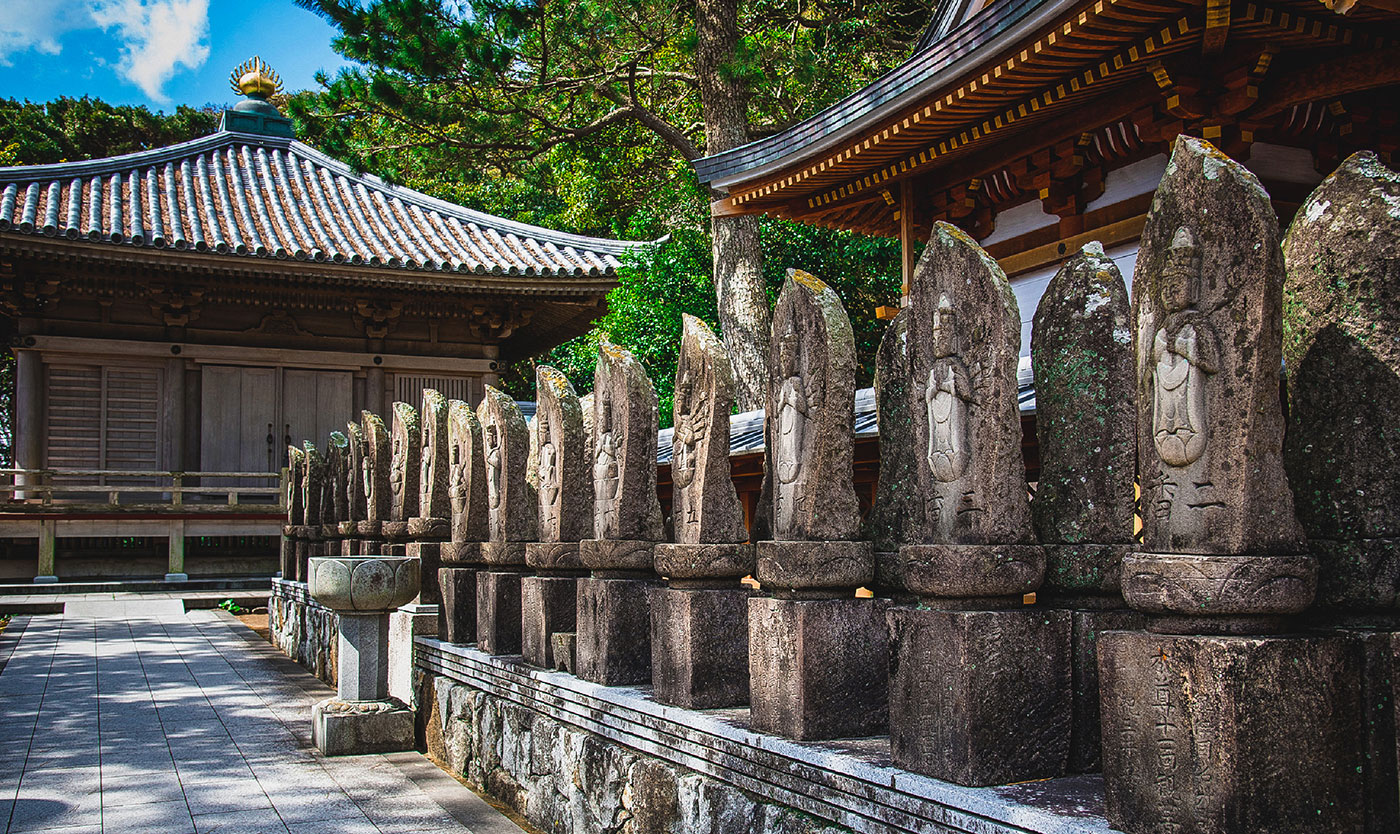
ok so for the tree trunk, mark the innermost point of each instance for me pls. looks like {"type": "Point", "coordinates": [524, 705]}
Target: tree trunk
{"type": "Point", "coordinates": [744, 317]}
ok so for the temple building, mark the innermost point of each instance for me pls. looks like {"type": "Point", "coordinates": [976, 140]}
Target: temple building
{"type": "Point", "coordinates": [1040, 125]}
{"type": "Point", "coordinates": [199, 307]}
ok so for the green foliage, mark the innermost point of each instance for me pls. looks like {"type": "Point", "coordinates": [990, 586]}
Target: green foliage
{"type": "Point", "coordinates": [661, 284]}
{"type": "Point", "coordinates": [85, 128]}
{"type": "Point", "coordinates": [232, 607]}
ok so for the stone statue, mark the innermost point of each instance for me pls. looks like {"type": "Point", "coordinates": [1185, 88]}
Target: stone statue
{"type": "Point", "coordinates": [811, 396]}
{"type": "Point", "coordinates": [624, 457]}
{"type": "Point", "coordinates": [405, 462]}
{"type": "Point", "coordinates": [313, 483]}
{"type": "Point", "coordinates": [565, 488]}
{"type": "Point", "coordinates": [466, 479]}
{"type": "Point", "coordinates": [514, 508]}
{"type": "Point", "coordinates": [896, 502]}
{"type": "Point", "coordinates": [706, 505]}
{"type": "Point", "coordinates": [375, 466]}
{"type": "Point", "coordinates": [354, 472]}
{"type": "Point", "coordinates": [433, 501]}
{"type": "Point", "coordinates": [296, 473]}
{"type": "Point", "coordinates": [1342, 322]}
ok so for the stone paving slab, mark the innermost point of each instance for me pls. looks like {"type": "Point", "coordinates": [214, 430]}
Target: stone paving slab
{"type": "Point", "coordinates": [134, 717]}
{"type": "Point", "coordinates": [54, 603]}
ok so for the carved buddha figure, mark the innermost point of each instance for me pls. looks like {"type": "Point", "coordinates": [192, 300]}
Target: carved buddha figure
{"type": "Point", "coordinates": [492, 437]}
{"type": "Point", "coordinates": [947, 394]}
{"type": "Point", "coordinates": [1185, 352]}
{"type": "Point", "coordinates": [457, 480]}
{"type": "Point", "coordinates": [793, 412]}
{"type": "Point", "coordinates": [605, 475]}
{"type": "Point", "coordinates": [548, 477]}
{"type": "Point", "coordinates": [425, 470]}
{"type": "Point", "coordinates": [398, 460]}
{"type": "Point", "coordinates": [367, 475]}
{"type": "Point", "coordinates": [692, 424]}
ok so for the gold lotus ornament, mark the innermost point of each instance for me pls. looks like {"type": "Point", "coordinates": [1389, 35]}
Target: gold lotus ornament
{"type": "Point", "coordinates": [255, 79]}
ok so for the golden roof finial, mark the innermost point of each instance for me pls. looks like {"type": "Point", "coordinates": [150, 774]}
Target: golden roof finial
{"type": "Point", "coordinates": [255, 79]}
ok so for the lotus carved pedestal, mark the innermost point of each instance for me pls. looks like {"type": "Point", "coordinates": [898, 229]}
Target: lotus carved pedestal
{"type": "Point", "coordinates": [362, 590]}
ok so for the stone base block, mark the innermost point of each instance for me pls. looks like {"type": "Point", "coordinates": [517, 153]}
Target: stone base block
{"type": "Point", "coordinates": [503, 554]}
{"type": "Point", "coordinates": [394, 549]}
{"type": "Point", "coordinates": [177, 577]}
{"type": "Point", "coordinates": [553, 556]}
{"type": "Point", "coordinates": [303, 559]}
{"type": "Point", "coordinates": [972, 570]}
{"type": "Point", "coordinates": [287, 557]}
{"type": "Point", "coordinates": [818, 668]}
{"type": "Point", "coordinates": [498, 612]}
{"type": "Point", "coordinates": [704, 561]}
{"type": "Point", "coordinates": [1084, 731]}
{"type": "Point", "coordinates": [45, 579]}
{"type": "Point", "coordinates": [815, 565]}
{"type": "Point", "coordinates": [619, 554]}
{"type": "Point", "coordinates": [349, 547]}
{"type": "Point", "coordinates": [1217, 735]}
{"type": "Point", "coordinates": [980, 697]}
{"type": "Point", "coordinates": [458, 554]}
{"type": "Point", "coordinates": [372, 547]}
{"type": "Point", "coordinates": [614, 631]}
{"type": "Point", "coordinates": [352, 728]}
{"type": "Point", "coordinates": [429, 560]}
{"type": "Point", "coordinates": [565, 644]}
{"type": "Point", "coordinates": [1380, 678]}
{"type": "Point", "coordinates": [430, 528]}
{"type": "Point", "coordinates": [700, 647]}
{"type": "Point", "coordinates": [1195, 589]}
{"type": "Point", "coordinates": [410, 621]}
{"type": "Point", "coordinates": [1085, 568]}
{"type": "Point", "coordinates": [548, 605]}
{"type": "Point", "coordinates": [457, 614]}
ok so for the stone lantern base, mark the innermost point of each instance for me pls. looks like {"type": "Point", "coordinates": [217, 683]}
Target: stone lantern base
{"type": "Point", "coordinates": [350, 728]}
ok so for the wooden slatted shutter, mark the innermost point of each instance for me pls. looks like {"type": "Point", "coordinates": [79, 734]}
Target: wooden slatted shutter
{"type": "Point", "coordinates": [103, 418]}
{"type": "Point", "coordinates": [74, 417]}
{"type": "Point", "coordinates": [409, 389]}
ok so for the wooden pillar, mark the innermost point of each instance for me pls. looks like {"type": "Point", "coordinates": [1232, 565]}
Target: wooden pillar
{"type": "Point", "coordinates": [173, 414]}
{"type": "Point", "coordinates": [29, 414]}
{"type": "Point", "coordinates": [175, 572]}
{"type": "Point", "coordinates": [906, 237]}
{"type": "Point", "coordinates": [47, 545]}
{"type": "Point", "coordinates": [374, 390]}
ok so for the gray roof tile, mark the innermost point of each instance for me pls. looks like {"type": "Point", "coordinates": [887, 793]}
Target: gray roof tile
{"type": "Point", "coordinates": [250, 195]}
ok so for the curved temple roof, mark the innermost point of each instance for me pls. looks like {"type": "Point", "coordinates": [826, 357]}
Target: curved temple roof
{"type": "Point", "coordinates": [256, 196]}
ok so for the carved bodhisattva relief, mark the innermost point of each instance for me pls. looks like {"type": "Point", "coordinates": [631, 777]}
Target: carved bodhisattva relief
{"type": "Point", "coordinates": [795, 404]}
{"type": "Point", "coordinates": [1185, 353]}
{"type": "Point", "coordinates": [605, 477]}
{"type": "Point", "coordinates": [947, 398]}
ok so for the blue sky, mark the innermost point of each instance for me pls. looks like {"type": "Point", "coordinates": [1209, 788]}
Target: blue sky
{"type": "Point", "coordinates": [160, 53]}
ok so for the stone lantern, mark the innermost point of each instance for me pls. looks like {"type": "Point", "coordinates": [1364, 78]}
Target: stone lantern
{"type": "Point", "coordinates": [362, 590]}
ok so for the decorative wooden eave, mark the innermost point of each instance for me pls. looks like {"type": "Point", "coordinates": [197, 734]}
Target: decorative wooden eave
{"type": "Point", "coordinates": [267, 203]}
{"type": "Point", "coordinates": [1023, 95]}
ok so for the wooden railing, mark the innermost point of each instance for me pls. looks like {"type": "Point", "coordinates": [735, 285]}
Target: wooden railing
{"type": "Point", "coordinates": [28, 487]}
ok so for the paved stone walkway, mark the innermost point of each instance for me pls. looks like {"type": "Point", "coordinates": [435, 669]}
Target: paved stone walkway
{"type": "Point", "coordinates": [136, 717]}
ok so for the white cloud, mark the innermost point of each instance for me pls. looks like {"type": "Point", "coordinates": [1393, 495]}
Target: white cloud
{"type": "Point", "coordinates": [156, 36]}
{"type": "Point", "coordinates": [38, 26]}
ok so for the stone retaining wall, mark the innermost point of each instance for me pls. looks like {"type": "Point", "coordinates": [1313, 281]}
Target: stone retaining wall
{"type": "Point", "coordinates": [302, 628]}
{"type": "Point", "coordinates": [578, 758]}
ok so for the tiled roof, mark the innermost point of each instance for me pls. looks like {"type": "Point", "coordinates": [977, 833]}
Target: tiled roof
{"type": "Point", "coordinates": [746, 430]}
{"type": "Point", "coordinates": [938, 57]}
{"type": "Point", "coordinates": [244, 195]}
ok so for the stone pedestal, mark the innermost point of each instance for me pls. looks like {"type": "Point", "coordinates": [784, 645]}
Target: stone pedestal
{"type": "Point", "coordinates": [287, 557]}
{"type": "Point", "coordinates": [838, 566]}
{"type": "Point", "coordinates": [565, 647]}
{"type": "Point", "coordinates": [1086, 625]}
{"type": "Point", "coordinates": [548, 605]}
{"type": "Point", "coordinates": [980, 697]}
{"type": "Point", "coordinates": [457, 614]}
{"type": "Point", "coordinates": [363, 717]}
{"type": "Point", "coordinates": [614, 630]}
{"type": "Point", "coordinates": [1223, 734]}
{"type": "Point", "coordinates": [700, 647]}
{"type": "Point", "coordinates": [498, 612]}
{"type": "Point", "coordinates": [818, 668]}
{"type": "Point", "coordinates": [410, 621]}
{"type": "Point", "coordinates": [616, 554]}
{"type": "Point", "coordinates": [429, 555]}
